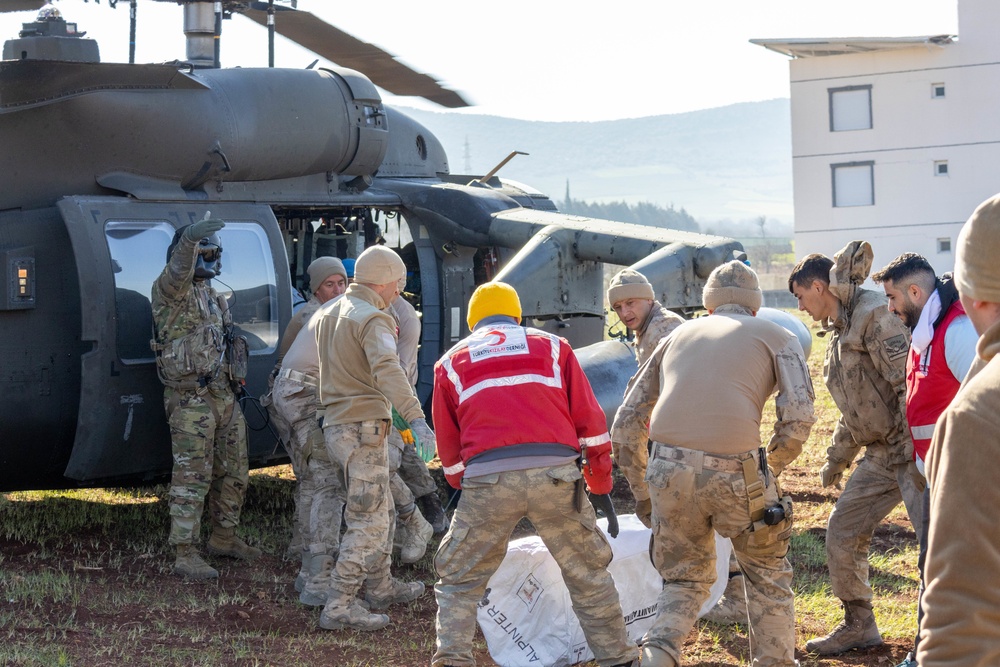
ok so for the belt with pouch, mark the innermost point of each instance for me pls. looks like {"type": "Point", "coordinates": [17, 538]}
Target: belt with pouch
{"type": "Point", "coordinates": [696, 458]}
{"type": "Point", "coordinates": [304, 378]}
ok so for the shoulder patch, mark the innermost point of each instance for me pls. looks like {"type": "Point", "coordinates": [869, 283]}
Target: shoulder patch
{"type": "Point", "coordinates": [896, 347]}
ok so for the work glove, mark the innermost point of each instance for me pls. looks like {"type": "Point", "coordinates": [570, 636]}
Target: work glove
{"type": "Point", "coordinates": [644, 512]}
{"type": "Point", "coordinates": [832, 473]}
{"type": "Point", "coordinates": [603, 507]}
{"type": "Point", "coordinates": [426, 443]}
{"type": "Point", "coordinates": [203, 229]}
{"type": "Point", "coordinates": [919, 480]}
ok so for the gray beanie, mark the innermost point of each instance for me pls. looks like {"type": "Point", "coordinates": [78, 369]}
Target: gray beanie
{"type": "Point", "coordinates": [733, 282]}
{"type": "Point", "coordinates": [976, 272]}
{"type": "Point", "coordinates": [322, 268]}
{"type": "Point", "coordinates": [379, 265]}
{"type": "Point", "coordinates": [629, 284]}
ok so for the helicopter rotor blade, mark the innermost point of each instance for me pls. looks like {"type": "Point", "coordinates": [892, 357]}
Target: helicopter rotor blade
{"type": "Point", "coordinates": [342, 48]}
{"type": "Point", "coordinates": [20, 5]}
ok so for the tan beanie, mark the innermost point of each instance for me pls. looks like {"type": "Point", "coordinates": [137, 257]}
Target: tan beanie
{"type": "Point", "coordinates": [322, 268]}
{"type": "Point", "coordinates": [733, 282]}
{"type": "Point", "coordinates": [379, 265]}
{"type": "Point", "coordinates": [977, 268]}
{"type": "Point", "coordinates": [629, 284]}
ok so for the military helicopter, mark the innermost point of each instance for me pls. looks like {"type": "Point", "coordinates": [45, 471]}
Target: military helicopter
{"type": "Point", "coordinates": [103, 161]}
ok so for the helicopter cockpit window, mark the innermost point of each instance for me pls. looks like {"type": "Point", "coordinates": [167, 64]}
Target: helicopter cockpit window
{"type": "Point", "coordinates": [138, 254]}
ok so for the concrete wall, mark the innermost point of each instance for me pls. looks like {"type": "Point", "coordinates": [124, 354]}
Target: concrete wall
{"type": "Point", "coordinates": [911, 130]}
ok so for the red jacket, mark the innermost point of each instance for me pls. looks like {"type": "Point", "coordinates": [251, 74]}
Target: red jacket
{"type": "Point", "coordinates": [930, 384]}
{"type": "Point", "coordinates": [511, 385]}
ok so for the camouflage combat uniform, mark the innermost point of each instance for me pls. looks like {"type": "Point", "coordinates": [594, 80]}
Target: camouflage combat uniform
{"type": "Point", "coordinates": [658, 324]}
{"type": "Point", "coordinates": [207, 430]}
{"type": "Point", "coordinates": [319, 491]}
{"type": "Point", "coordinates": [705, 473]}
{"type": "Point", "coordinates": [512, 408]}
{"type": "Point", "coordinates": [865, 371]}
{"type": "Point", "coordinates": [360, 381]}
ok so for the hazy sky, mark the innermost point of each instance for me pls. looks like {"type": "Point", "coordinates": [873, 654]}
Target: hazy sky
{"type": "Point", "coordinates": [549, 59]}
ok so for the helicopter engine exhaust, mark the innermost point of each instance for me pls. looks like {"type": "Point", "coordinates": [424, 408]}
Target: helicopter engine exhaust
{"type": "Point", "coordinates": [187, 130]}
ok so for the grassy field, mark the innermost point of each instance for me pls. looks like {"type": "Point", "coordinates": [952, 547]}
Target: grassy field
{"type": "Point", "coordinates": [85, 580]}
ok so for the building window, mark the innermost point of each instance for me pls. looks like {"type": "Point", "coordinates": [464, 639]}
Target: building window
{"type": "Point", "coordinates": [850, 108]}
{"type": "Point", "coordinates": [944, 245]}
{"type": "Point", "coordinates": [853, 184]}
{"type": "Point", "coordinates": [940, 167]}
{"type": "Point", "coordinates": [937, 90]}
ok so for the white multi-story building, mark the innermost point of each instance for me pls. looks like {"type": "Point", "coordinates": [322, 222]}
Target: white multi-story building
{"type": "Point", "coordinates": [895, 140]}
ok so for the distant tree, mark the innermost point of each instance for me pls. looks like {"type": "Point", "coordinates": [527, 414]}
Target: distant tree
{"type": "Point", "coordinates": [643, 213]}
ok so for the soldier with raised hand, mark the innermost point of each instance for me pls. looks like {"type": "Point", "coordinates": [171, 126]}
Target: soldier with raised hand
{"type": "Point", "coordinates": [632, 298]}
{"type": "Point", "coordinates": [865, 371]}
{"type": "Point", "coordinates": [201, 363]}
{"type": "Point", "coordinates": [710, 473]}
{"type": "Point", "coordinates": [513, 410]}
{"type": "Point", "coordinates": [361, 380]}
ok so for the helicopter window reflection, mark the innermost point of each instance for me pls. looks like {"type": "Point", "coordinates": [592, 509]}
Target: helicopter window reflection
{"type": "Point", "coordinates": [138, 254]}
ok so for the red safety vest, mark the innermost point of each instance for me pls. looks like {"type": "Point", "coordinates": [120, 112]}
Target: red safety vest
{"type": "Point", "coordinates": [930, 385]}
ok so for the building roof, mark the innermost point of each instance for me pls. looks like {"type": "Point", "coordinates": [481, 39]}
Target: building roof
{"type": "Point", "coordinates": [835, 46]}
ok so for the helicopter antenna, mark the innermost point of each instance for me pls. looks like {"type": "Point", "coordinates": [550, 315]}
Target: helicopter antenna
{"type": "Point", "coordinates": [494, 170]}
{"type": "Point", "coordinates": [131, 31]}
{"type": "Point", "coordinates": [218, 34]}
{"type": "Point", "coordinates": [270, 33]}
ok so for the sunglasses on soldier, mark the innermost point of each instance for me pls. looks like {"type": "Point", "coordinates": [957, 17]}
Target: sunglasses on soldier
{"type": "Point", "coordinates": [209, 252]}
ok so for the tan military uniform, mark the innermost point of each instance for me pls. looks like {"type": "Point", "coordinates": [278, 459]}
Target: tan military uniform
{"type": "Point", "coordinates": [865, 371]}
{"type": "Point", "coordinates": [705, 473]}
{"type": "Point", "coordinates": [360, 381]}
{"type": "Point", "coordinates": [658, 324]}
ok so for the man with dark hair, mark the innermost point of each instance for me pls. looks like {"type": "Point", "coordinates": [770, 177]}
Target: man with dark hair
{"type": "Point", "coordinates": [865, 371]}
{"type": "Point", "coordinates": [942, 348]}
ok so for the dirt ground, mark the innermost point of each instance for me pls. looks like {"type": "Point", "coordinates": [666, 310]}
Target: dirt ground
{"type": "Point", "coordinates": [97, 601]}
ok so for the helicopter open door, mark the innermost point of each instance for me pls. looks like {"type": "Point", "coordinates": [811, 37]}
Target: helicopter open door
{"type": "Point", "coordinates": [120, 248]}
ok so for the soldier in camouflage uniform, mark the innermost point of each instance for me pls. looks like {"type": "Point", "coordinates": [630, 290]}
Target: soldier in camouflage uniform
{"type": "Point", "coordinates": [360, 382]}
{"type": "Point", "coordinates": [707, 471]}
{"type": "Point", "coordinates": [319, 493]}
{"type": "Point", "coordinates": [512, 410]}
{"type": "Point", "coordinates": [632, 298]}
{"type": "Point", "coordinates": [865, 371]}
{"type": "Point", "coordinates": [200, 363]}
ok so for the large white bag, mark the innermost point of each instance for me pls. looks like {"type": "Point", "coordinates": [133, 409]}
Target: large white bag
{"type": "Point", "coordinates": [526, 614]}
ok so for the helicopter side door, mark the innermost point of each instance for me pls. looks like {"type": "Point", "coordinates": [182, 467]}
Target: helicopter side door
{"type": "Point", "coordinates": [120, 247]}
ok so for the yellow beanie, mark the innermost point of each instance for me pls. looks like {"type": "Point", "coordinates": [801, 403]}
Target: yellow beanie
{"type": "Point", "coordinates": [976, 273]}
{"type": "Point", "coordinates": [493, 299]}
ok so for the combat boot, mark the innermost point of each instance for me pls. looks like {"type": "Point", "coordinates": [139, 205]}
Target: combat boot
{"type": "Point", "coordinates": [430, 507]}
{"type": "Point", "coordinates": [303, 576]}
{"type": "Point", "coordinates": [190, 565]}
{"type": "Point", "coordinates": [342, 611]}
{"type": "Point", "coordinates": [384, 592]}
{"type": "Point", "coordinates": [654, 656]}
{"type": "Point", "coordinates": [732, 607]}
{"type": "Point", "coordinates": [225, 543]}
{"type": "Point", "coordinates": [412, 534]}
{"type": "Point", "coordinates": [317, 587]}
{"type": "Point", "coordinates": [857, 630]}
